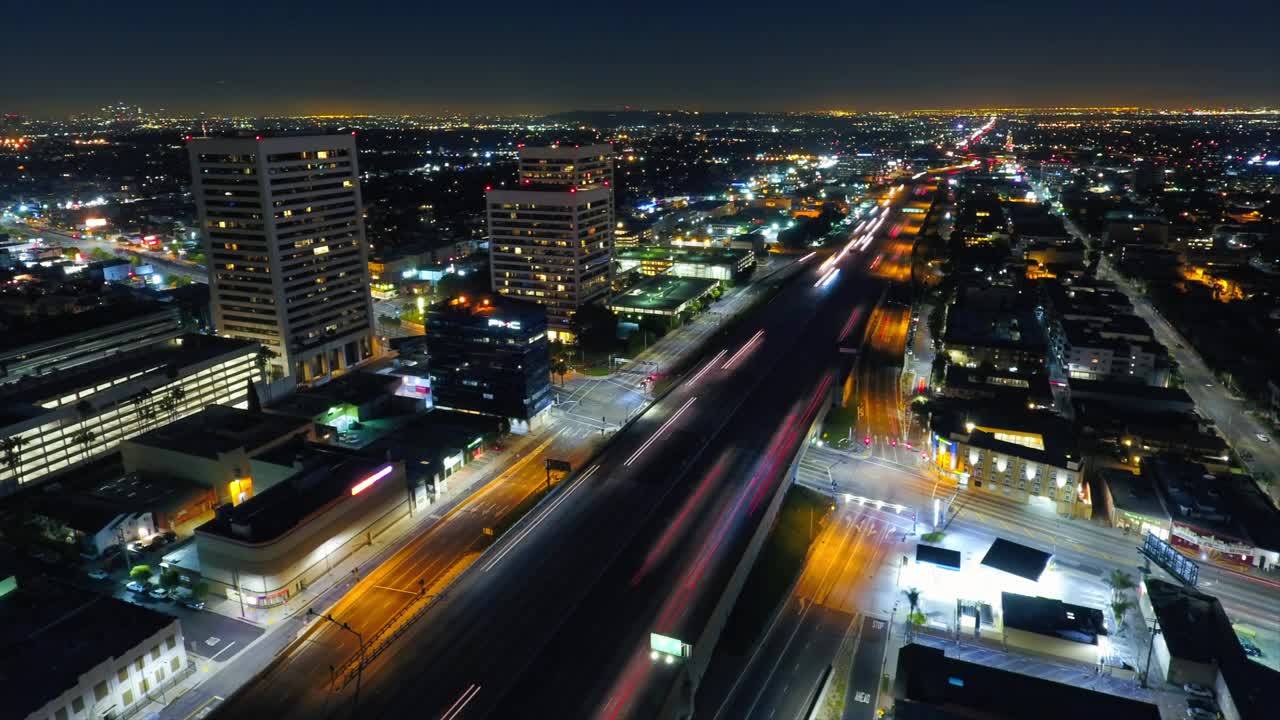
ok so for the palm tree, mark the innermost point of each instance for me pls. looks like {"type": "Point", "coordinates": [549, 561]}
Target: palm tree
{"type": "Point", "coordinates": [1121, 607]}
{"type": "Point", "coordinates": [559, 367]}
{"type": "Point", "coordinates": [263, 360]}
{"type": "Point", "coordinates": [176, 396]}
{"type": "Point", "coordinates": [12, 449]}
{"type": "Point", "coordinates": [84, 439]}
{"type": "Point", "coordinates": [913, 600]}
{"type": "Point", "coordinates": [1119, 581]}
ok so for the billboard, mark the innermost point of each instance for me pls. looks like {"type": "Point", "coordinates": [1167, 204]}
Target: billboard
{"type": "Point", "coordinates": [1173, 562]}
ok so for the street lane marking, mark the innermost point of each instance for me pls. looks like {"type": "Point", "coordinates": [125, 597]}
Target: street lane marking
{"type": "Point", "coordinates": [458, 705]}
{"type": "Point", "coordinates": [659, 431]}
{"type": "Point", "coordinates": [384, 587]}
{"type": "Point", "coordinates": [542, 516]}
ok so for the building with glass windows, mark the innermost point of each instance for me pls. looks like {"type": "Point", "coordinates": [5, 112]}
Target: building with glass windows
{"type": "Point", "coordinates": [287, 255]}
{"type": "Point", "coordinates": [551, 239]}
{"type": "Point", "coordinates": [490, 356]}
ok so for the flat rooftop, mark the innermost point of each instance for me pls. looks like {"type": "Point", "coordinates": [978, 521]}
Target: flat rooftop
{"type": "Point", "coordinates": [1016, 559]}
{"type": "Point", "coordinates": [186, 350]}
{"type": "Point", "coordinates": [327, 476]}
{"type": "Point", "coordinates": [1054, 618]}
{"type": "Point", "coordinates": [220, 429]}
{"type": "Point", "coordinates": [931, 686]}
{"type": "Point", "coordinates": [662, 294]}
{"type": "Point", "coordinates": [52, 633]}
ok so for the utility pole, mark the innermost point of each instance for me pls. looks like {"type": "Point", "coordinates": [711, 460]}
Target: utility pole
{"type": "Point", "coordinates": [359, 637]}
{"type": "Point", "coordinates": [1151, 645]}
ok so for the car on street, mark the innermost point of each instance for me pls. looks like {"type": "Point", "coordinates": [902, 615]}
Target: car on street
{"type": "Point", "coordinates": [194, 604]}
{"type": "Point", "coordinates": [1199, 691]}
{"type": "Point", "coordinates": [136, 586]}
{"type": "Point", "coordinates": [98, 574]}
{"type": "Point", "coordinates": [1263, 438]}
{"type": "Point", "coordinates": [159, 593]}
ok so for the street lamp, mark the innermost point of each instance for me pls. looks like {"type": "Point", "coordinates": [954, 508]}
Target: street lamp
{"type": "Point", "coordinates": [359, 665]}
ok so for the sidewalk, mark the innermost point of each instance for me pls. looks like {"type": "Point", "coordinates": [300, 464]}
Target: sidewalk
{"type": "Point", "coordinates": [213, 680]}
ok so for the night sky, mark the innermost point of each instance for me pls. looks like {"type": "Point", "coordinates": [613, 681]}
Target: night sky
{"type": "Point", "coordinates": [272, 57]}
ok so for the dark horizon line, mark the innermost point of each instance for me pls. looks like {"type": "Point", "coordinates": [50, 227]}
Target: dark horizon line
{"type": "Point", "coordinates": [1179, 108]}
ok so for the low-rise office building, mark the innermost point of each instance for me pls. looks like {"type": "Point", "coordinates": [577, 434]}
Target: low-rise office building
{"type": "Point", "coordinates": [490, 357]}
{"type": "Point", "coordinates": [663, 297]}
{"type": "Point", "coordinates": [61, 421]}
{"type": "Point", "coordinates": [277, 542]}
{"type": "Point", "coordinates": [1004, 339]}
{"type": "Point", "coordinates": [726, 264]}
{"type": "Point", "coordinates": [74, 654]}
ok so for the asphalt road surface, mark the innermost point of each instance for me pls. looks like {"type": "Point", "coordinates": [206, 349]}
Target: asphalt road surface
{"type": "Point", "coordinates": [480, 639]}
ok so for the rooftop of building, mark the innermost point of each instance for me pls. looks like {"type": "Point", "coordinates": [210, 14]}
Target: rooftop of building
{"type": "Point", "coordinates": [183, 351]}
{"type": "Point", "coordinates": [662, 293]}
{"type": "Point", "coordinates": [1130, 390]}
{"type": "Point", "coordinates": [931, 686]}
{"type": "Point", "coordinates": [327, 476]}
{"type": "Point", "coordinates": [994, 380]}
{"type": "Point", "coordinates": [1186, 619]}
{"type": "Point", "coordinates": [52, 633]}
{"type": "Point", "coordinates": [220, 429]}
{"type": "Point", "coordinates": [354, 388]}
{"type": "Point", "coordinates": [978, 420]}
{"type": "Point", "coordinates": [1133, 493]}
{"type": "Point", "coordinates": [708, 255]}
{"type": "Point", "coordinates": [1055, 618]}
{"type": "Point", "coordinates": [1016, 559]}
{"type": "Point", "coordinates": [497, 308]}
{"type": "Point", "coordinates": [98, 320]}
{"type": "Point", "coordinates": [994, 328]}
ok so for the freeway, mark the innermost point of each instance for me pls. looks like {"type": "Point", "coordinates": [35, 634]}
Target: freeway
{"type": "Point", "coordinates": [826, 604]}
{"type": "Point", "coordinates": [504, 615]}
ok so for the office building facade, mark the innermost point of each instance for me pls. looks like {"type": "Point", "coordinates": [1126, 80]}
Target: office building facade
{"type": "Point", "coordinates": [286, 248]}
{"type": "Point", "coordinates": [551, 240]}
{"type": "Point", "coordinates": [490, 357]}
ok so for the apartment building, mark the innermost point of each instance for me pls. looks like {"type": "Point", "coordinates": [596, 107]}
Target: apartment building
{"type": "Point", "coordinates": [288, 257]}
{"type": "Point", "coordinates": [551, 240]}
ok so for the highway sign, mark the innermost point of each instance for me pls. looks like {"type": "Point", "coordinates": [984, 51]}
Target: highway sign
{"type": "Point", "coordinates": [668, 645]}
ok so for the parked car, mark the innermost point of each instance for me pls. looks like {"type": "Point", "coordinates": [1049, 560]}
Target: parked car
{"type": "Point", "coordinates": [136, 586]}
{"type": "Point", "coordinates": [159, 593]}
{"type": "Point", "coordinates": [1199, 691]}
{"type": "Point", "coordinates": [194, 604]}
{"type": "Point", "coordinates": [1198, 714]}
{"type": "Point", "coordinates": [98, 574]}
{"type": "Point", "coordinates": [1263, 438]}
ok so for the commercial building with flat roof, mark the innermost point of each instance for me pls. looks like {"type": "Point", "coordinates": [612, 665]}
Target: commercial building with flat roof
{"type": "Point", "coordinates": [61, 421]}
{"type": "Point", "coordinates": [490, 356]}
{"type": "Point", "coordinates": [663, 296]}
{"type": "Point", "coordinates": [928, 685]}
{"type": "Point", "coordinates": [71, 653]}
{"type": "Point", "coordinates": [277, 542]}
{"type": "Point", "coordinates": [725, 264]}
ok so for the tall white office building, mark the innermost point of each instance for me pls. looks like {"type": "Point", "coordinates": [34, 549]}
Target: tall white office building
{"type": "Point", "coordinates": [286, 249]}
{"type": "Point", "coordinates": [551, 239]}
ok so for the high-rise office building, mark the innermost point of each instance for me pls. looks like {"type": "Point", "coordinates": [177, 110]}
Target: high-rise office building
{"type": "Point", "coordinates": [286, 249]}
{"type": "Point", "coordinates": [551, 240]}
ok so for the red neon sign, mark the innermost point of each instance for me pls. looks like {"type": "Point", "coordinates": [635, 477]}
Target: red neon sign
{"type": "Point", "coordinates": [365, 483]}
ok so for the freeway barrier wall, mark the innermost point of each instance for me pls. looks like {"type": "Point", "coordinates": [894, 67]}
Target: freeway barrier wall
{"type": "Point", "coordinates": [680, 702]}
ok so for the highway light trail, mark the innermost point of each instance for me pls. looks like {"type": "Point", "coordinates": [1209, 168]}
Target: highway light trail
{"type": "Point", "coordinates": [746, 347]}
{"type": "Point", "coordinates": [708, 366]}
{"type": "Point", "coordinates": [542, 516]}
{"type": "Point", "coordinates": [461, 703]}
{"type": "Point", "coordinates": [806, 257]}
{"type": "Point", "coordinates": [848, 326]}
{"type": "Point", "coordinates": [676, 526]}
{"type": "Point", "coordinates": [658, 433]}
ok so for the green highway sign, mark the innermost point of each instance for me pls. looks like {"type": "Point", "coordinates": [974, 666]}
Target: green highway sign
{"type": "Point", "coordinates": [664, 644]}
